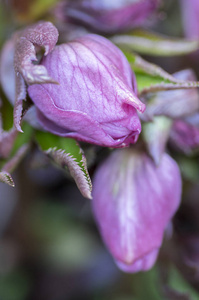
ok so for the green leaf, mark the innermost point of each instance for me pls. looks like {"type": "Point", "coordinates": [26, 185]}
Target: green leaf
{"type": "Point", "coordinates": [146, 82]}
{"type": "Point", "coordinates": [180, 286]}
{"type": "Point", "coordinates": [166, 86]}
{"type": "Point", "coordinates": [147, 74]}
{"type": "Point", "coordinates": [65, 152]}
{"type": "Point", "coordinates": [189, 167]}
{"type": "Point", "coordinates": [33, 10]}
{"type": "Point", "coordinates": [151, 282]}
{"type": "Point", "coordinates": [15, 285]}
{"type": "Point", "coordinates": [142, 66]}
{"type": "Point", "coordinates": [151, 78]}
{"type": "Point", "coordinates": [145, 42]}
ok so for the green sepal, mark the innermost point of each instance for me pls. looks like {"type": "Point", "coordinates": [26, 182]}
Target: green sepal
{"type": "Point", "coordinates": [66, 152]}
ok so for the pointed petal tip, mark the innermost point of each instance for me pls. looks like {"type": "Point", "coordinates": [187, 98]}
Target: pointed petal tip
{"type": "Point", "coordinates": [88, 196]}
{"type": "Point", "coordinates": [5, 177]}
{"type": "Point", "coordinates": [134, 101]}
{"type": "Point", "coordinates": [156, 158]}
{"type": "Point", "coordinates": [141, 107]}
{"type": "Point", "coordinates": [18, 127]}
{"type": "Point", "coordinates": [47, 49]}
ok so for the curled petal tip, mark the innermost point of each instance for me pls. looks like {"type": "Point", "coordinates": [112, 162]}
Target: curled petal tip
{"type": "Point", "coordinates": [134, 101]}
{"type": "Point", "coordinates": [18, 127]}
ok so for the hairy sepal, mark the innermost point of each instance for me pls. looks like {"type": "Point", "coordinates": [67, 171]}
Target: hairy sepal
{"type": "Point", "coordinates": [66, 152]}
{"type": "Point", "coordinates": [43, 35]}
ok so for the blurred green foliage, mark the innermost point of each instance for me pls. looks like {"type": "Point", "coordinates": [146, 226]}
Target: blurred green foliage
{"type": "Point", "coordinates": [15, 285]}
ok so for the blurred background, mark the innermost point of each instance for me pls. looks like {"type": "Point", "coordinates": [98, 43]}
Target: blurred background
{"type": "Point", "coordinates": [50, 248]}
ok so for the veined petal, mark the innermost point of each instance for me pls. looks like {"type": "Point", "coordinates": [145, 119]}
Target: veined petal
{"type": "Point", "coordinates": [133, 201]}
{"type": "Point", "coordinates": [96, 86]}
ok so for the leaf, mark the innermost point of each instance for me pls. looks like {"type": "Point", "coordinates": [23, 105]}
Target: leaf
{"type": "Point", "coordinates": [164, 86]}
{"type": "Point", "coordinates": [148, 83]}
{"type": "Point", "coordinates": [142, 66]}
{"type": "Point", "coordinates": [188, 167]}
{"type": "Point", "coordinates": [175, 104]}
{"type": "Point", "coordinates": [66, 152]}
{"type": "Point", "coordinates": [147, 74]}
{"type": "Point", "coordinates": [179, 288]}
{"type": "Point", "coordinates": [29, 11]}
{"type": "Point", "coordinates": [15, 284]}
{"type": "Point", "coordinates": [145, 42]}
{"type": "Point", "coordinates": [151, 282]}
{"type": "Point", "coordinates": [151, 78]}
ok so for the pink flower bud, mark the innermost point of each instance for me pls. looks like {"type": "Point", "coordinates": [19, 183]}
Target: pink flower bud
{"type": "Point", "coordinates": [95, 100]}
{"type": "Point", "coordinates": [190, 11]}
{"type": "Point", "coordinates": [185, 136]}
{"type": "Point", "coordinates": [107, 16]}
{"type": "Point", "coordinates": [133, 202]}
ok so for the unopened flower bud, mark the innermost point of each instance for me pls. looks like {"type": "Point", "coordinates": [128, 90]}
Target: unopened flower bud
{"type": "Point", "coordinates": [133, 202]}
{"type": "Point", "coordinates": [95, 100]}
{"type": "Point", "coordinates": [185, 136]}
{"type": "Point", "coordinates": [190, 11]}
{"type": "Point", "coordinates": [107, 16]}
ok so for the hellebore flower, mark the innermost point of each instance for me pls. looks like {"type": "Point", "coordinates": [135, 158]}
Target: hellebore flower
{"type": "Point", "coordinates": [133, 202]}
{"type": "Point", "coordinates": [95, 100]}
{"type": "Point", "coordinates": [107, 16]}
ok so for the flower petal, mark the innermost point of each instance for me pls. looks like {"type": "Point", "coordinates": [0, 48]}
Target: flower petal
{"type": "Point", "coordinates": [133, 201]}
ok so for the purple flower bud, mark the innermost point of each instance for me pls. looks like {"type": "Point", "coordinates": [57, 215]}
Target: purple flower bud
{"type": "Point", "coordinates": [133, 202]}
{"type": "Point", "coordinates": [95, 100]}
{"type": "Point", "coordinates": [185, 136]}
{"type": "Point", "coordinates": [190, 12]}
{"type": "Point", "coordinates": [107, 16]}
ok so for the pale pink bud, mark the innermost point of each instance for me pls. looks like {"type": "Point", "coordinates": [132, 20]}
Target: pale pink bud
{"type": "Point", "coordinates": [133, 202]}
{"type": "Point", "coordinates": [107, 16]}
